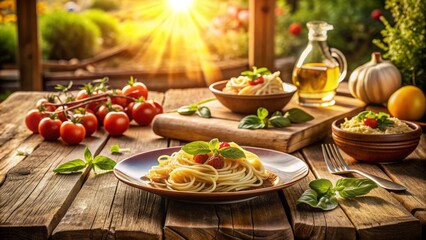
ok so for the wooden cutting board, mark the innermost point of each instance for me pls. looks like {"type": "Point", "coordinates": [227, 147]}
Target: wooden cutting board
{"type": "Point", "coordinates": [224, 125]}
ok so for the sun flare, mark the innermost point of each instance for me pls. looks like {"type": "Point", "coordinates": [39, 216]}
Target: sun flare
{"type": "Point", "coordinates": [180, 5]}
{"type": "Point", "coordinates": [175, 37]}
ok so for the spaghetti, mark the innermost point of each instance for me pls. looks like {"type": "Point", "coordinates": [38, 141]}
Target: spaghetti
{"type": "Point", "coordinates": [241, 85]}
{"type": "Point", "coordinates": [180, 172]}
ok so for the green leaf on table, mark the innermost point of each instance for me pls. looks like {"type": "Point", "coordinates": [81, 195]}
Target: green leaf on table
{"type": "Point", "coordinates": [116, 149]}
{"type": "Point", "coordinates": [70, 167]}
{"type": "Point", "coordinates": [279, 121]}
{"type": "Point", "coordinates": [197, 147]}
{"type": "Point", "coordinates": [231, 152]}
{"type": "Point", "coordinates": [352, 187]}
{"type": "Point", "coordinates": [325, 202]}
{"type": "Point", "coordinates": [87, 155]}
{"type": "Point", "coordinates": [251, 122]}
{"type": "Point", "coordinates": [188, 110]}
{"type": "Point", "coordinates": [297, 115]}
{"type": "Point", "coordinates": [103, 163]}
{"type": "Point", "coordinates": [204, 112]}
{"type": "Point", "coordinates": [321, 186]}
{"type": "Point", "coordinates": [262, 113]}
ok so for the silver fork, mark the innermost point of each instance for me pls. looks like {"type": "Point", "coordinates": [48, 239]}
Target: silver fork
{"type": "Point", "coordinates": [337, 165]}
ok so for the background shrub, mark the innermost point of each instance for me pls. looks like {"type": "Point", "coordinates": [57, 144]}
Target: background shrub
{"type": "Point", "coordinates": [107, 24]}
{"type": "Point", "coordinates": [68, 35]}
{"type": "Point", "coordinates": [8, 43]}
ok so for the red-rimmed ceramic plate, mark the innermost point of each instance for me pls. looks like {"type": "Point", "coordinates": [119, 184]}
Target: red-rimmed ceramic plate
{"type": "Point", "coordinates": [287, 168]}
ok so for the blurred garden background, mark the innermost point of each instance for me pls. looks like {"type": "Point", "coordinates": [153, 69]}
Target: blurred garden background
{"type": "Point", "coordinates": [152, 35]}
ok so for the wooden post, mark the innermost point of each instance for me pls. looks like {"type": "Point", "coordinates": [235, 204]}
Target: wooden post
{"type": "Point", "coordinates": [261, 33]}
{"type": "Point", "coordinates": [29, 55]}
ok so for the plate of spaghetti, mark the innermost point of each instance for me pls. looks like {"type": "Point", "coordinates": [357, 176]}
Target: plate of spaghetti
{"type": "Point", "coordinates": [211, 172]}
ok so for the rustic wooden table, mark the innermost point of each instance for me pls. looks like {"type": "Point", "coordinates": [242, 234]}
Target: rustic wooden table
{"type": "Point", "coordinates": [35, 203]}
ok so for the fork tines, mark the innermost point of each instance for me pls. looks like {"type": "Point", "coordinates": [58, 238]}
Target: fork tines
{"type": "Point", "coordinates": [333, 158]}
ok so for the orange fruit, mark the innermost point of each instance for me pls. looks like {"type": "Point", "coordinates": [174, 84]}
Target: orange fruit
{"type": "Point", "coordinates": [407, 103]}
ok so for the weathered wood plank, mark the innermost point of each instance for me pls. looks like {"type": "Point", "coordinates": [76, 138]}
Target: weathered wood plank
{"type": "Point", "coordinates": [261, 32]}
{"type": "Point", "coordinates": [106, 208]}
{"type": "Point", "coordinates": [13, 133]}
{"type": "Point", "coordinates": [315, 224]}
{"type": "Point", "coordinates": [37, 197]}
{"type": "Point", "coordinates": [375, 216]}
{"type": "Point", "coordinates": [29, 54]}
{"type": "Point", "coordinates": [263, 217]}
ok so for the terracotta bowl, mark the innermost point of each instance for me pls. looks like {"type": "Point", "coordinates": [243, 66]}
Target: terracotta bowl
{"type": "Point", "coordinates": [248, 104]}
{"type": "Point", "coordinates": [376, 148]}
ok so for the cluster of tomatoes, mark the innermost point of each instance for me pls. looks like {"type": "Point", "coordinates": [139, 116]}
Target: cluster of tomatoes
{"type": "Point", "coordinates": [94, 106]}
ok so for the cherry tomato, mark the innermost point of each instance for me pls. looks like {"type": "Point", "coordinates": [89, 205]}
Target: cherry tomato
{"type": "Point", "coordinates": [48, 106]}
{"type": "Point", "coordinates": [295, 29]}
{"type": "Point", "coordinates": [371, 122]}
{"type": "Point", "coordinates": [116, 123]}
{"type": "Point", "coordinates": [33, 118]}
{"type": "Point", "coordinates": [129, 110]}
{"type": "Point", "coordinates": [259, 80]}
{"type": "Point", "coordinates": [49, 128]}
{"type": "Point", "coordinates": [143, 113]}
{"type": "Point", "coordinates": [89, 121]}
{"type": "Point", "coordinates": [72, 133]}
{"type": "Point", "coordinates": [105, 109]}
{"type": "Point", "coordinates": [61, 114]}
{"type": "Point", "coordinates": [82, 94]}
{"type": "Point", "coordinates": [158, 107]}
{"type": "Point", "coordinates": [223, 145]}
{"type": "Point", "coordinates": [118, 100]}
{"type": "Point", "coordinates": [200, 158]}
{"type": "Point", "coordinates": [135, 90]}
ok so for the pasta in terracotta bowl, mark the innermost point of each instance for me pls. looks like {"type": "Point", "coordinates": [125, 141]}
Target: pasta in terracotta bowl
{"type": "Point", "coordinates": [246, 93]}
{"type": "Point", "coordinates": [377, 138]}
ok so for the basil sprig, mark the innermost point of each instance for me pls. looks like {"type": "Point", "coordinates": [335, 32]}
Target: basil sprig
{"type": "Point", "coordinates": [193, 108]}
{"type": "Point", "coordinates": [253, 75]}
{"type": "Point", "coordinates": [201, 147]}
{"type": "Point", "coordinates": [322, 194]}
{"type": "Point", "coordinates": [278, 120]}
{"type": "Point", "coordinates": [76, 165]}
{"type": "Point", "coordinates": [382, 119]}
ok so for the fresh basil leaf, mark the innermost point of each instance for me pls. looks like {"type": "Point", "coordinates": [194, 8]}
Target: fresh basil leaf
{"type": "Point", "coordinates": [277, 113]}
{"type": "Point", "coordinates": [310, 197]}
{"type": "Point", "coordinates": [231, 152]}
{"type": "Point", "coordinates": [362, 115]}
{"type": "Point", "coordinates": [104, 163]}
{"type": "Point", "coordinates": [321, 186]}
{"type": "Point", "coordinates": [246, 73]}
{"type": "Point", "coordinates": [204, 112]}
{"type": "Point", "coordinates": [279, 121]}
{"type": "Point", "coordinates": [352, 187]}
{"type": "Point", "coordinates": [70, 167]}
{"type": "Point", "coordinates": [263, 71]}
{"type": "Point", "coordinates": [196, 147]}
{"type": "Point", "coordinates": [251, 122]}
{"type": "Point", "coordinates": [214, 144]}
{"type": "Point", "coordinates": [297, 115]}
{"type": "Point", "coordinates": [382, 115]}
{"type": "Point", "coordinates": [187, 110]}
{"type": "Point", "coordinates": [87, 155]}
{"type": "Point", "coordinates": [262, 113]}
{"type": "Point", "coordinates": [115, 149]}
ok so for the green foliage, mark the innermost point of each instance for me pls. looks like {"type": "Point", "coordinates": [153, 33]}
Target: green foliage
{"type": "Point", "coordinates": [8, 43]}
{"type": "Point", "coordinates": [107, 24]}
{"type": "Point", "coordinates": [105, 5]}
{"type": "Point", "coordinates": [353, 31]}
{"type": "Point", "coordinates": [68, 35]}
{"type": "Point", "coordinates": [405, 42]}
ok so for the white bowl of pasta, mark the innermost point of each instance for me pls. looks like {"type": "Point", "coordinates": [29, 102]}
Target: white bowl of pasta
{"type": "Point", "coordinates": [248, 99]}
{"type": "Point", "coordinates": [173, 173]}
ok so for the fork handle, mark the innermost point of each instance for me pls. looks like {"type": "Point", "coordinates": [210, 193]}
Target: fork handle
{"type": "Point", "coordinates": [384, 183]}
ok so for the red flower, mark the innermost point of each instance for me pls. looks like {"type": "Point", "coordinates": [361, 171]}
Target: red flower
{"type": "Point", "coordinates": [376, 14]}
